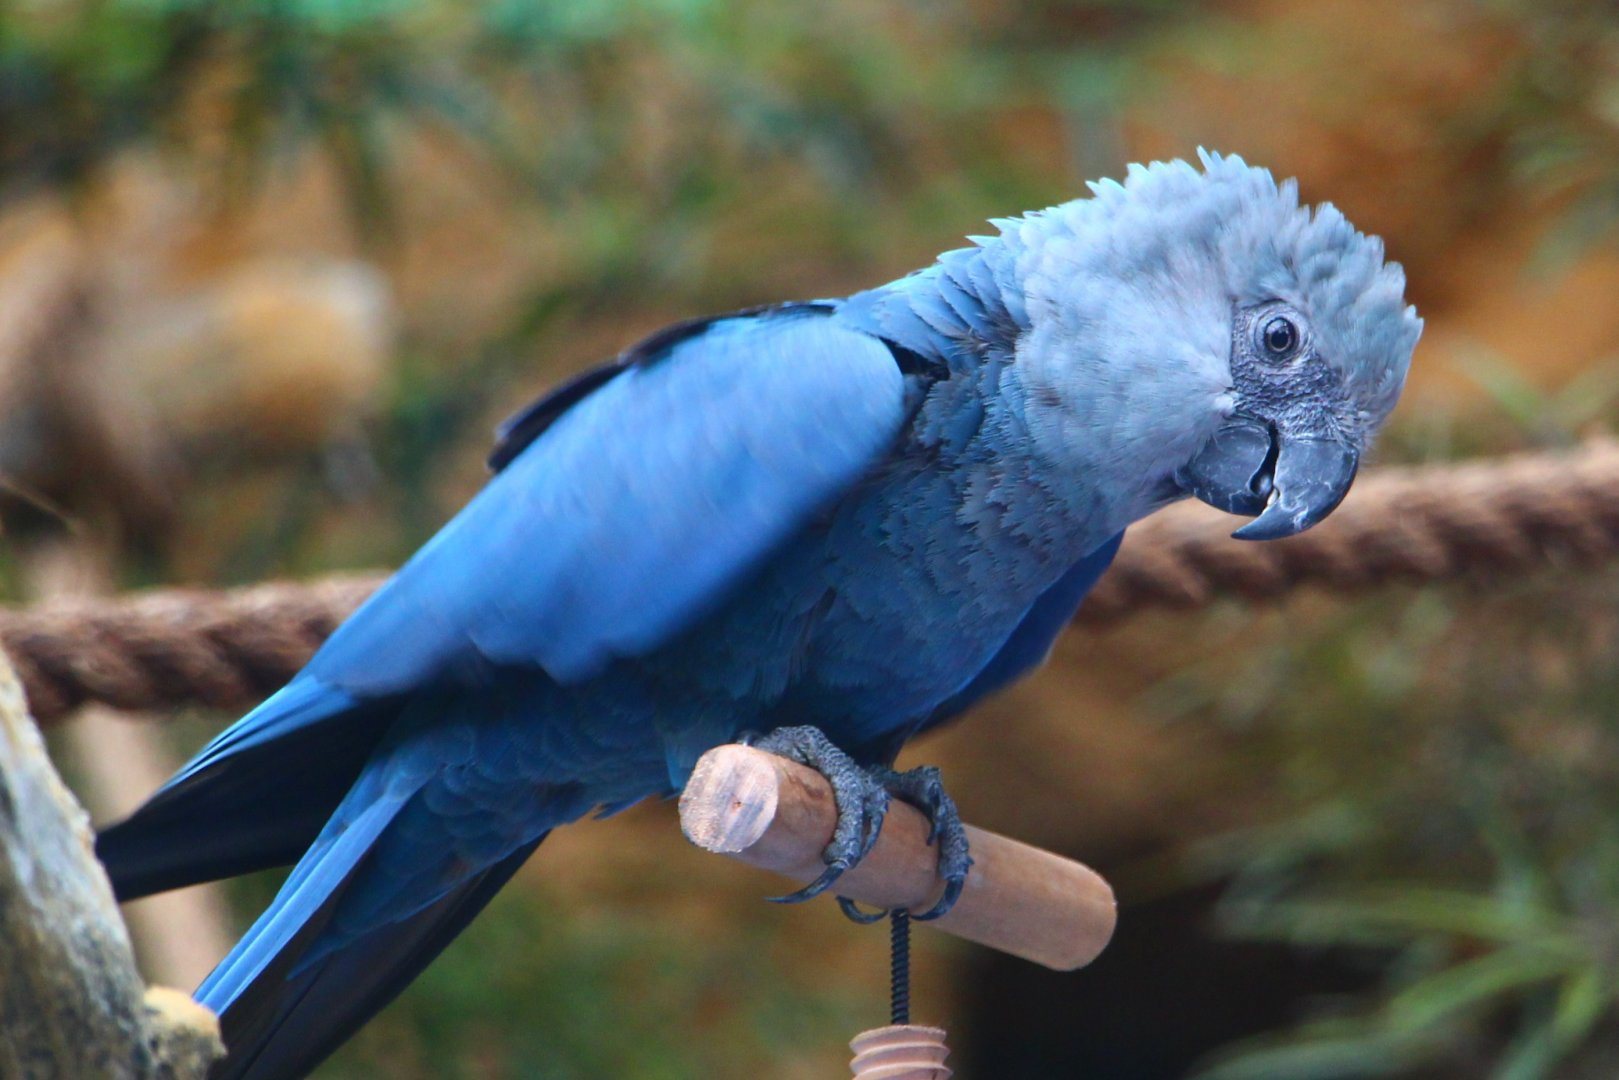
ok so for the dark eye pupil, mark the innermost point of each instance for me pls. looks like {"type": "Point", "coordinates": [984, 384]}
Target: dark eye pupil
{"type": "Point", "coordinates": [1280, 336]}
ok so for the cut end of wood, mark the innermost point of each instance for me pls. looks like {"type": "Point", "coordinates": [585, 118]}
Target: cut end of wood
{"type": "Point", "coordinates": [731, 799]}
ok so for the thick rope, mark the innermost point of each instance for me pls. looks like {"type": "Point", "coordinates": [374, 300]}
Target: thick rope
{"type": "Point", "coordinates": [166, 648]}
{"type": "Point", "coordinates": [172, 647]}
{"type": "Point", "coordinates": [1476, 519]}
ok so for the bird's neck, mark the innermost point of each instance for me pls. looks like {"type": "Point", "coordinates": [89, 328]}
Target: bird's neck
{"type": "Point", "coordinates": [1059, 419]}
{"type": "Point", "coordinates": [955, 313]}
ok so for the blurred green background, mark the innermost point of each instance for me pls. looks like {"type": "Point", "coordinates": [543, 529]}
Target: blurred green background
{"type": "Point", "coordinates": [271, 270]}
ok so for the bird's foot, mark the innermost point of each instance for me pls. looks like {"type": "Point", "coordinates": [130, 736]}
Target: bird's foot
{"type": "Point", "coordinates": [923, 789]}
{"type": "Point", "coordinates": [862, 794]}
{"type": "Point", "coordinates": [862, 802]}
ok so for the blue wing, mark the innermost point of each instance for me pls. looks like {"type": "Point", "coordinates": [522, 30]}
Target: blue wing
{"type": "Point", "coordinates": [636, 511]}
{"type": "Point", "coordinates": [628, 504]}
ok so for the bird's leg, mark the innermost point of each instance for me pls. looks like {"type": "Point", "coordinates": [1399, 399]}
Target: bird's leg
{"type": "Point", "coordinates": [861, 794]}
{"type": "Point", "coordinates": [862, 801]}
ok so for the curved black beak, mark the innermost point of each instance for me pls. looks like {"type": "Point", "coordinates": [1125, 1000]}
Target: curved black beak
{"type": "Point", "coordinates": [1290, 481]}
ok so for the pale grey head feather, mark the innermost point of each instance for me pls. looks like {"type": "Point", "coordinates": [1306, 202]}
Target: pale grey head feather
{"type": "Point", "coordinates": [1232, 227]}
{"type": "Point", "coordinates": [1129, 298]}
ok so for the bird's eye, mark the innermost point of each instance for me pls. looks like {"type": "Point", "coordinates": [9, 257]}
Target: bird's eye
{"type": "Point", "coordinates": [1279, 336]}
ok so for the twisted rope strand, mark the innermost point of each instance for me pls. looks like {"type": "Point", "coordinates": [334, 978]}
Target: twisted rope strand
{"type": "Point", "coordinates": [172, 647]}
{"type": "Point", "coordinates": [1426, 523]}
{"type": "Point", "coordinates": [228, 649]}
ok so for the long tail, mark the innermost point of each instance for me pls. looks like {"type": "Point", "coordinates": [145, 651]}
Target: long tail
{"type": "Point", "coordinates": [405, 816]}
{"type": "Point", "coordinates": [300, 983]}
{"type": "Point", "coordinates": [254, 798]}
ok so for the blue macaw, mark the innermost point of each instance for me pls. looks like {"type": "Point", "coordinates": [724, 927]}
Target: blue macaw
{"type": "Point", "coordinates": [842, 521]}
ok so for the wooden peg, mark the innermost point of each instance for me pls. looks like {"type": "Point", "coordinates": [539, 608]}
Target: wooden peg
{"type": "Point", "coordinates": [778, 815]}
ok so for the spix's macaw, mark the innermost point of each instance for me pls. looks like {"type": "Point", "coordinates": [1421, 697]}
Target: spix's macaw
{"type": "Point", "coordinates": [860, 515]}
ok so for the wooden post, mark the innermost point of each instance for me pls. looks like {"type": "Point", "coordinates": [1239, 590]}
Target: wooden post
{"type": "Point", "coordinates": [71, 1002]}
{"type": "Point", "coordinates": [778, 815]}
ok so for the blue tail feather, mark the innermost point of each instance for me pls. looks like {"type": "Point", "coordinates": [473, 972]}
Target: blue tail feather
{"type": "Point", "coordinates": [287, 998]}
{"type": "Point", "coordinates": [256, 797]}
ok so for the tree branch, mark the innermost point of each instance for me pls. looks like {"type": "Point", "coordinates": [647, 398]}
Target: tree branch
{"type": "Point", "coordinates": [71, 1003]}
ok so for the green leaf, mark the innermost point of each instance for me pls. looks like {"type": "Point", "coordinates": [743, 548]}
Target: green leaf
{"type": "Point", "coordinates": [1388, 913]}
{"type": "Point", "coordinates": [1472, 984]}
{"type": "Point", "coordinates": [1580, 1004]}
{"type": "Point", "coordinates": [1325, 1050]}
{"type": "Point", "coordinates": [1537, 1051]}
{"type": "Point", "coordinates": [1531, 1056]}
{"type": "Point", "coordinates": [1587, 395]}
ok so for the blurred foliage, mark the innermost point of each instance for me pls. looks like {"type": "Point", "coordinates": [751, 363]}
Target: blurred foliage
{"type": "Point", "coordinates": [576, 99]}
{"type": "Point", "coordinates": [1516, 413]}
{"type": "Point", "coordinates": [634, 129]}
{"type": "Point", "coordinates": [1462, 831]}
{"type": "Point", "coordinates": [1566, 122]}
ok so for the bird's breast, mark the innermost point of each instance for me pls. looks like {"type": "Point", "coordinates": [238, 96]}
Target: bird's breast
{"type": "Point", "coordinates": [889, 605]}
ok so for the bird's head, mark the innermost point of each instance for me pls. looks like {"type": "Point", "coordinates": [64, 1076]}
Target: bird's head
{"type": "Point", "coordinates": [1247, 346]}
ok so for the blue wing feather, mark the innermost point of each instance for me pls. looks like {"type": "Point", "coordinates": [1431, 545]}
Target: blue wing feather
{"type": "Point", "coordinates": [522, 428]}
{"type": "Point", "coordinates": [635, 511]}
{"type": "Point", "coordinates": [231, 809]}
{"type": "Point", "coordinates": [529, 423]}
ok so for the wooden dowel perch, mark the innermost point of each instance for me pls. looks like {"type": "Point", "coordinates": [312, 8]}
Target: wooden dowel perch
{"type": "Point", "coordinates": [778, 815]}
{"type": "Point", "coordinates": [71, 1003]}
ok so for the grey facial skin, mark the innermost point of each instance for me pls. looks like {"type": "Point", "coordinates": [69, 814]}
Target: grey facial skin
{"type": "Point", "coordinates": [1292, 446]}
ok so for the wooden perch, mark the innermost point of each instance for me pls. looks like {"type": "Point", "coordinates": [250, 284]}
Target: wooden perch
{"type": "Point", "coordinates": [71, 1003]}
{"type": "Point", "coordinates": [778, 815]}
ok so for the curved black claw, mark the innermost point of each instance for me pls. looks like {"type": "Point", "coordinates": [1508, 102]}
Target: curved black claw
{"type": "Point", "coordinates": [852, 912]}
{"type": "Point", "coordinates": [922, 788]}
{"type": "Point", "coordinates": [861, 800]}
